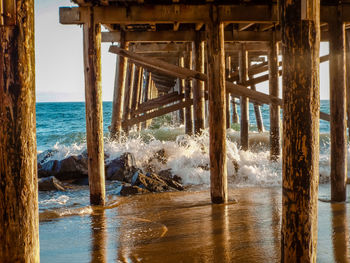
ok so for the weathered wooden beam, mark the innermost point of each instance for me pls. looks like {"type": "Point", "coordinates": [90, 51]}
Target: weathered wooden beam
{"type": "Point", "coordinates": [19, 213]}
{"type": "Point", "coordinates": [257, 111]}
{"type": "Point", "coordinates": [160, 112]}
{"type": "Point", "coordinates": [273, 66]}
{"type": "Point", "coordinates": [118, 95]}
{"type": "Point", "coordinates": [143, 14]}
{"type": "Point", "coordinates": [158, 102]}
{"type": "Point", "coordinates": [338, 109]}
{"type": "Point", "coordinates": [244, 26]}
{"type": "Point", "coordinates": [301, 104]}
{"type": "Point", "coordinates": [94, 113]}
{"type": "Point", "coordinates": [158, 65]}
{"type": "Point", "coordinates": [217, 113]}
{"type": "Point", "coordinates": [157, 47]}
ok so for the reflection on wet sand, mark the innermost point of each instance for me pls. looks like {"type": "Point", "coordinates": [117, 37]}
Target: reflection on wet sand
{"type": "Point", "coordinates": [98, 237]}
{"type": "Point", "coordinates": [340, 233]}
{"type": "Point", "coordinates": [187, 227]}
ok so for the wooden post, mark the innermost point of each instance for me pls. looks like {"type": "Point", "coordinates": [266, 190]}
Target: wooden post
{"type": "Point", "coordinates": [93, 108]}
{"type": "Point", "coordinates": [235, 116]}
{"type": "Point", "coordinates": [181, 83]}
{"type": "Point", "coordinates": [217, 107]}
{"type": "Point", "coordinates": [19, 215]}
{"type": "Point", "coordinates": [188, 95]}
{"type": "Point", "coordinates": [119, 90]}
{"type": "Point", "coordinates": [228, 74]}
{"type": "Point", "coordinates": [198, 85]}
{"type": "Point", "coordinates": [347, 39]}
{"type": "Point", "coordinates": [147, 94]}
{"type": "Point", "coordinates": [300, 42]}
{"type": "Point", "coordinates": [128, 101]}
{"type": "Point", "coordinates": [274, 108]}
{"type": "Point", "coordinates": [243, 77]}
{"type": "Point", "coordinates": [135, 90]}
{"type": "Point", "coordinates": [257, 111]}
{"type": "Point", "coordinates": [139, 94]}
{"type": "Point", "coordinates": [338, 109]}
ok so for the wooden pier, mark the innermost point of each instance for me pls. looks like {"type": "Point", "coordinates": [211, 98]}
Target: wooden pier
{"type": "Point", "coordinates": [173, 56]}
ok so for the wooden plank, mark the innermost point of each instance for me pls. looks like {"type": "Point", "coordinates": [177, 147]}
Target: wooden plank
{"type": "Point", "coordinates": [300, 158]}
{"type": "Point", "coordinates": [94, 113]}
{"type": "Point", "coordinates": [19, 213]}
{"type": "Point", "coordinates": [217, 113]}
{"type": "Point", "coordinates": [338, 109]}
{"type": "Point", "coordinates": [159, 112]}
{"type": "Point", "coordinates": [228, 74]}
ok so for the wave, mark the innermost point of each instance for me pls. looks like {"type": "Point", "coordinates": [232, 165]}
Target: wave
{"type": "Point", "coordinates": [188, 156]}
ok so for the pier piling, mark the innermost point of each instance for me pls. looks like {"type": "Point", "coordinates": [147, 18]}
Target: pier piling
{"type": "Point", "coordinates": [93, 108]}
{"type": "Point", "coordinates": [19, 214]}
{"type": "Point", "coordinates": [217, 107]}
{"type": "Point", "coordinates": [300, 173]}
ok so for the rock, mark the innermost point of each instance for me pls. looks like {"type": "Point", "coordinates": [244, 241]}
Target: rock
{"type": "Point", "coordinates": [71, 168]}
{"type": "Point", "coordinates": [50, 184]}
{"type": "Point", "coordinates": [173, 181]}
{"type": "Point", "coordinates": [125, 190]}
{"type": "Point", "coordinates": [122, 168]}
{"type": "Point", "coordinates": [42, 157]}
{"type": "Point", "coordinates": [151, 182]}
{"type": "Point", "coordinates": [161, 156]}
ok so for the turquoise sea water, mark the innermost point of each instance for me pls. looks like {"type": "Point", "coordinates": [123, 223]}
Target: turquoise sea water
{"type": "Point", "coordinates": [64, 122]}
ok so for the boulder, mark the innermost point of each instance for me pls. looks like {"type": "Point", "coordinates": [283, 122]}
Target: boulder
{"type": "Point", "coordinates": [72, 168]}
{"type": "Point", "coordinates": [155, 183]}
{"type": "Point", "coordinates": [45, 155]}
{"type": "Point", "coordinates": [122, 168]}
{"type": "Point", "coordinates": [50, 184]}
{"type": "Point", "coordinates": [125, 190]}
{"type": "Point", "coordinates": [173, 181]}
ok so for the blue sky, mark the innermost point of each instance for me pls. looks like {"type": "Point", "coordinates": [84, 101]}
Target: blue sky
{"type": "Point", "coordinates": [59, 59]}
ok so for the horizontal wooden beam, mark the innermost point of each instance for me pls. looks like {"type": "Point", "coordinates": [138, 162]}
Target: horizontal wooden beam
{"type": "Point", "coordinates": [158, 113]}
{"type": "Point", "coordinates": [158, 47]}
{"type": "Point", "coordinates": [157, 102]}
{"type": "Point", "coordinates": [180, 13]}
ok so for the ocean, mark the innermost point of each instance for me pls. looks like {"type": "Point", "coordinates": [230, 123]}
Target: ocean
{"type": "Point", "coordinates": [177, 226]}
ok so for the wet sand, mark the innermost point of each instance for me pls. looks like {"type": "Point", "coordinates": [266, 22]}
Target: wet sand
{"type": "Point", "coordinates": [186, 227]}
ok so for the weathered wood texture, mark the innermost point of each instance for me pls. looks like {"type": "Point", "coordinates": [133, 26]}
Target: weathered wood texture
{"type": "Point", "coordinates": [217, 107]}
{"type": "Point", "coordinates": [188, 95]}
{"type": "Point", "coordinates": [93, 108]}
{"type": "Point", "coordinates": [181, 84]}
{"type": "Point", "coordinates": [274, 108]}
{"type": "Point", "coordinates": [119, 93]}
{"type": "Point", "coordinates": [300, 42]}
{"type": "Point", "coordinates": [198, 86]}
{"type": "Point", "coordinates": [19, 216]}
{"type": "Point", "coordinates": [243, 77]}
{"type": "Point", "coordinates": [338, 110]}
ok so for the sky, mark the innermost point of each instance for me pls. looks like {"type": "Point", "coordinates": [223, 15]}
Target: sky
{"type": "Point", "coordinates": [59, 59]}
